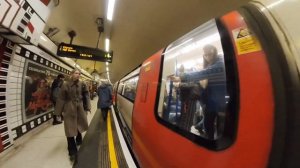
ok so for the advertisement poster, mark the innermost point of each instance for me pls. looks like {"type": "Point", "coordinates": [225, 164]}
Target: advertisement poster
{"type": "Point", "coordinates": [36, 90]}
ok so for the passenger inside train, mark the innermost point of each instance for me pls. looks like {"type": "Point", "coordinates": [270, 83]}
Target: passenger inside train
{"type": "Point", "coordinates": [201, 93]}
{"type": "Point", "coordinates": [130, 88]}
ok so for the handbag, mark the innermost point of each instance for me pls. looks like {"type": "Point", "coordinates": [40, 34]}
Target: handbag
{"type": "Point", "coordinates": [85, 97]}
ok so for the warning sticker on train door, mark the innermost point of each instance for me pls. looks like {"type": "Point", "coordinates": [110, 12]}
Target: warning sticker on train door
{"type": "Point", "coordinates": [245, 41]}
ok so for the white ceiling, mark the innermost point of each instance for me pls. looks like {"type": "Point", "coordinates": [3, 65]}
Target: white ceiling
{"type": "Point", "coordinates": [139, 27]}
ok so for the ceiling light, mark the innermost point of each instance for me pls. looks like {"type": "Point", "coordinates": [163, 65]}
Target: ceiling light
{"type": "Point", "coordinates": [107, 44]}
{"type": "Point", "coordinates": [43, 38]}
{"type": "Point", "coordinates": [192, 46]}
{"type": "Point", "coordinates": [106, 63]}
{"type": "Point", "coordinates": [275, 4]}
{"type": "Point", "coordinates": [107, 69]}
{"type": "Point", "coordinates": [111, 5]}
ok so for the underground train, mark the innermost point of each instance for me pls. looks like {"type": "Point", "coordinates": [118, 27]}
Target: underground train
{"type": "Point", "coordinates": [224, 95]}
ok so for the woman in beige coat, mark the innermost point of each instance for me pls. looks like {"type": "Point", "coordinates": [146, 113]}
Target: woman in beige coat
{"type": "Point", "coordinates": [70, 105]}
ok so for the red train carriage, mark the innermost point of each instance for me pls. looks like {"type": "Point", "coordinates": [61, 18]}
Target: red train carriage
{"type": "Point", "coordinates": [224, 95]}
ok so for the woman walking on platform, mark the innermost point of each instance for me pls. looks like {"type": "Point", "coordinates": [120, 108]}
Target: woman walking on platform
{"type": "Point", "coordinates": [70, 105]}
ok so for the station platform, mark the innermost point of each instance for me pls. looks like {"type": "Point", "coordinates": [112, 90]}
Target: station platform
{"type": "Point", "coordinates": [103, 146]}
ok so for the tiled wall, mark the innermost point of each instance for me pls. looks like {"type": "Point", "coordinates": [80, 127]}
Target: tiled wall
{"type": "Point", "coordinates": [13, 94]}
{"type": "Point", "coordinates": [6, 50]}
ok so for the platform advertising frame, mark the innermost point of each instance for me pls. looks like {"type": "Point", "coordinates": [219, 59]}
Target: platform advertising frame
{"type": "Point", "coordinates": [36, 90]}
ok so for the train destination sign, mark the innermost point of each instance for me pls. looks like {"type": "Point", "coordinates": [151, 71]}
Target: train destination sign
{"type": "Point", "coordinates": [81, 52]}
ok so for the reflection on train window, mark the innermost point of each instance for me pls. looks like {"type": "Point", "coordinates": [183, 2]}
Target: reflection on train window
{"type": "Point", "coordinates": [193, 92]}
{"type": "Point", "coordinates": [130, 88]}
{"type": "Point", "coordinates": [120, 87]}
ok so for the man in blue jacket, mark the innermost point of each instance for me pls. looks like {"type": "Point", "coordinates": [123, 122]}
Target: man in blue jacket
{"type": "Point", "coordinates": [213, 96]}
{"type": "Point", "coordinates": [104, 98]}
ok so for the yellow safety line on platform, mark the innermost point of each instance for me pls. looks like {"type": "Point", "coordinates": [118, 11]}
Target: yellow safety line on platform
{"type": "Point", "coordinates": [111, 147]}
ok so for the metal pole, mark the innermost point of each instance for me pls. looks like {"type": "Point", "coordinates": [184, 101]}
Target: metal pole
{"type": "Point", "coordinates": [71, 40]}
{"type": "Point", "coordinates": [72, 34]}
{"type": "Point", "coordinates": [98, 39]}
{"type": "Point", "coordinates": [97, 47]}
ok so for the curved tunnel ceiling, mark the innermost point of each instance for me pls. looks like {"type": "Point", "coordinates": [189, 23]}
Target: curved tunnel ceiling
{"type": "Point", "coordinates": [139, 27]}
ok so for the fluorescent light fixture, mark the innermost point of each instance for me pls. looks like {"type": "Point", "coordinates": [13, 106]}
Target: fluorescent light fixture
{"type": "Point", "coordinates": [43, 38]}
{"type": "Point", "coordinates": [107, 44]}
{"type": "Point", "coordinates": [179, 45]}
{"type": "Point", "coordinates": [272, 5]}
{"type": "Point", "coordinates": [275, 4]}
{"type": "Point", "coordinates": [106, 63]}
{"type": "Point", "coordinates": [107, 69]}
{"type": "Point", "coordinates": [192, 46]}
{"type": "Point", "coordinates": [111, 5]}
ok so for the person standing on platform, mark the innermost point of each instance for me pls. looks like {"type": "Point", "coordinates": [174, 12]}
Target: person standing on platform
{"type": "Point", "coordinates": [104, 98]}
{"type": "Point", "coordinates": [55, 87]}
{"type": "Point", "coordinates": [70, 105]}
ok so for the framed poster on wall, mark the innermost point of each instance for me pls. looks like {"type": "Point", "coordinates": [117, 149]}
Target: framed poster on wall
{"type": "Point", "coordinates": [36, 90]}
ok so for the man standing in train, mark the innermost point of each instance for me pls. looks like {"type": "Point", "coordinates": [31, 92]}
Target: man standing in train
{"type": "Point", "coordinates": [70, 105]}
{"type": "Point", "coordinates": [212, 78]}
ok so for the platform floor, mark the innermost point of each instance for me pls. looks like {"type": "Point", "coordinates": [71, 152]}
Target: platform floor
{"type": "Point", "coordinates": [46, 147]}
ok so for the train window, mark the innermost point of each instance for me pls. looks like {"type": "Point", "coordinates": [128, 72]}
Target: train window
{"type": "Point", "coordinates": [193, 92]}
{"type": "Point", "coordinates": [130, 88]}
{"type": "Point", "coordinates": [120, 87]}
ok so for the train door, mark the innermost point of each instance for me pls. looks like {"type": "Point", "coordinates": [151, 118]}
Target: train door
{"type": "Point", "coordinates": [114, 92]}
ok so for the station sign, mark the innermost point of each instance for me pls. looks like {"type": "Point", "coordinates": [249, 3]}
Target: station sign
{"type": "Point", "coordinates": [81, 52]}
